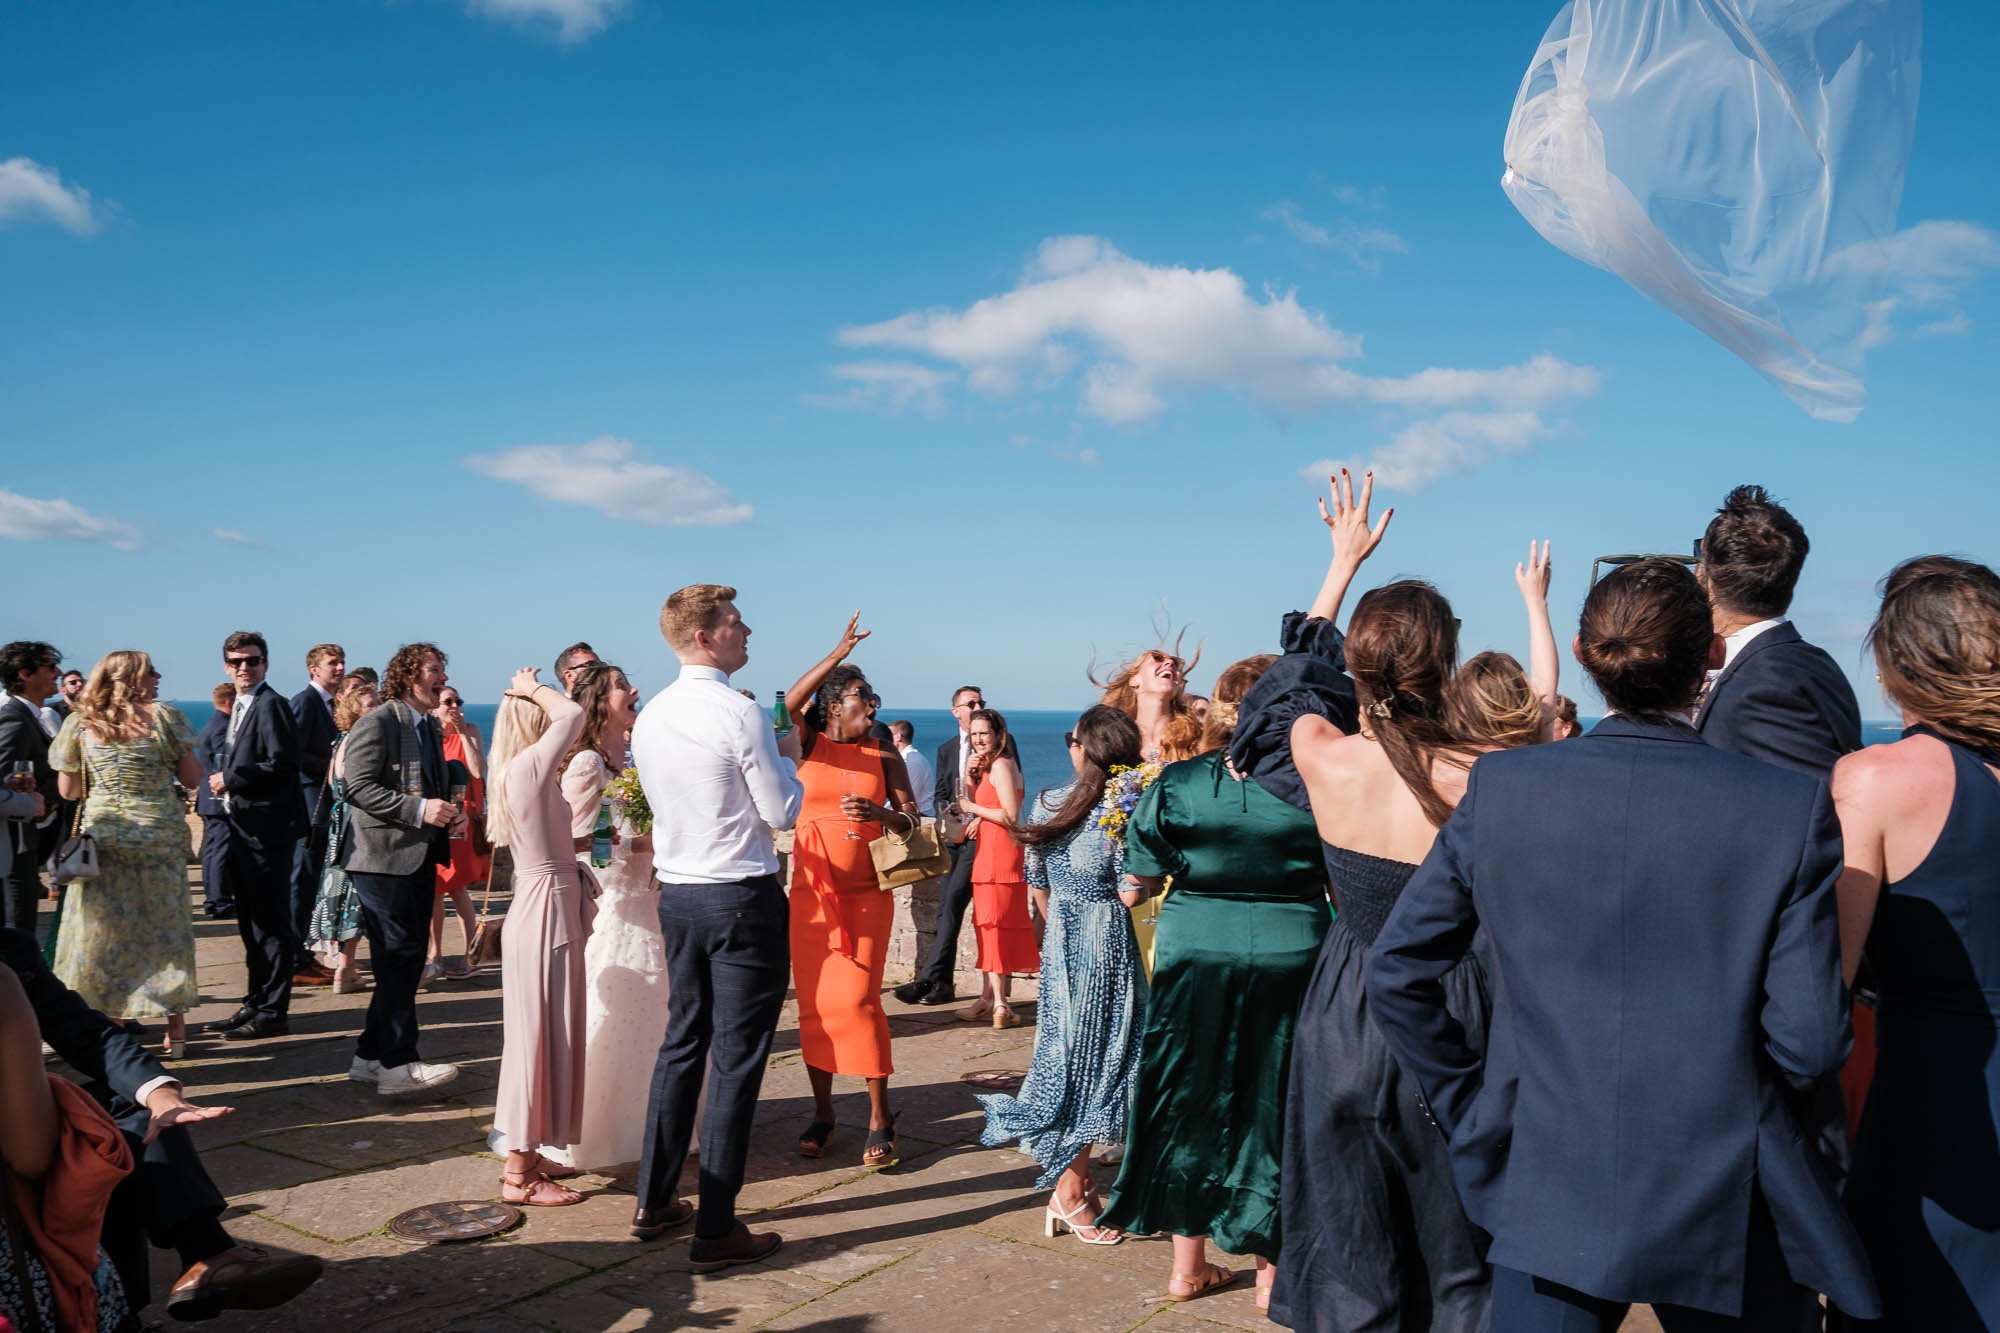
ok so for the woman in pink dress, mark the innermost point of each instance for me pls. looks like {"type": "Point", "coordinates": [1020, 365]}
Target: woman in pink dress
{"type": "Point", "coordinates": [999, 874]}
{"type": "Point", "coordinates": [539, 1103]}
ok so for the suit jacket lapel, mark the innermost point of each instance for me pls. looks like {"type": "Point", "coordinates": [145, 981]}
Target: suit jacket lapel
{"type": "Point", "coordinates": [1777, 634]}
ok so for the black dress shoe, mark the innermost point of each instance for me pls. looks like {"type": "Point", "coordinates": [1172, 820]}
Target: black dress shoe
{"type": "Point", "coordinates": [221, 911]}
{"type": "Point", "coordinates": [258, 1028]}
{"type": "Point", "coordinates": [653, 1223]}
{"type": "Point", "coordinates": [236, 1020]}
{"type": "Point", "coordinates": [911, 991]}
{"type": "Point", "coordinates": [941, 993]}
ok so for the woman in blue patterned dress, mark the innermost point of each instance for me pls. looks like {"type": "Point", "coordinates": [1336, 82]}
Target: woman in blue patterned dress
{"type": "Point", "coordinates": [1093, 991]}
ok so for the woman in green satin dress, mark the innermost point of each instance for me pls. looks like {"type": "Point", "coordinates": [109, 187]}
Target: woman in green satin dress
{"type": "Point", "coordinates": [1236, 943]}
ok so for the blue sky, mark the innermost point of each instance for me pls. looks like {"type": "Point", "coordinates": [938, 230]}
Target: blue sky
{"type": "Point", "coordinates": [493, 323]}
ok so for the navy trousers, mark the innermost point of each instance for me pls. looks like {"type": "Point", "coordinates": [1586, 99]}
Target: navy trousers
{"type": "Point", "coordinates": [214, 855]}
{"type": "Point", "coordinates": [396, 917]}
{"type": "Point", "coordinates": [24, 883]}
{"type": "Point", "coordinates": [729, 959]}
{"type": "Point", "coordinates": [258, 879]}
{"type": "Point", "coordinates": [168, 1199]}
{"type": "Point", "coordinates": [954, 896]}
{"type": "Point", "coordinates": [307, 861]}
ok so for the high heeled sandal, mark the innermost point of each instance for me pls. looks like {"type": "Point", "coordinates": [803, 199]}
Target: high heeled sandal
{"type": "Point", "coordinates": [885, 1140]}
{"type": "Point", "coordinates": [975, 1014]}
{"type": "Point", "coordinates": [1005, 1017]}
{"type": "Point", "coordinates": [812, 1143]}
{"type": "Point", "coordinates": [1055, 1221]}
{"type": "Point", "coordinates": [1212, 1278]}
{"type": "Point", "coordinates": [531, 1189]}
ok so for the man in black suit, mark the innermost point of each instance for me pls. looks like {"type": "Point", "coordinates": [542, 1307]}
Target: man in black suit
{"type": "Point", "coordinates": [259, 790]}
{"type": "Point", "coordinates": [168, 1198]}
{"type": "Point", "coordinates": [398, 833]}
{"type": "Point", "coordinates": [935, 984]}
{"type": "Point", "coordinates": [28, 671]}
{"type": "Point", "coordinates": [67, 689]}
{"type": "Point", "coordinates": [312, 716]}
{"type": "Point", "coordinates": [1661, 928]}
{"type": "Point", "coordinates": [1777, 697]}
{"type": "Point", "coordinates": [214, 828]}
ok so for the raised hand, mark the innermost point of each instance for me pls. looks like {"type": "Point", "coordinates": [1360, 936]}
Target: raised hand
{"type": "Point", "coordinates": [1533, 577]}
{"type": "Point", "coordinates": [1353, 539]}
{"type": "Point", "coordinates": [850, 637]}
{"type": "Point", "coordinates": [526, 679]}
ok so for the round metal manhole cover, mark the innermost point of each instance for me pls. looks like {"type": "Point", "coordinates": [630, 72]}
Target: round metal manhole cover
{"type": "Point", "coordinates": [469, 1219]}
{"type": "Point", "coordinates": [994, 1080]}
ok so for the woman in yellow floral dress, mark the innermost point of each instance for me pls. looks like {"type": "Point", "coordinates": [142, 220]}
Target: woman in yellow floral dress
{"type": "Point", "coordinates": [127, 940]}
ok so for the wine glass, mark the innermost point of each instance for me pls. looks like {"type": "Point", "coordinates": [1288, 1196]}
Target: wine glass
{"type": "Point", "coordinates": [459, 791]}
{"type": "Point", "coordinates": [850, 785]}
{"type": "Point", "coordinates": [20, 775]}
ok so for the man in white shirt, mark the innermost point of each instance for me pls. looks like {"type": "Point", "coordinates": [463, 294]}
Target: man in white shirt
{"type": "Point", "coordinates": [719, 781]}
{"type": "Point", "coordinates": [921, 775]}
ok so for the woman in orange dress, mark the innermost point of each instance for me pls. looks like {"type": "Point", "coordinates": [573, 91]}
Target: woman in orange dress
{"type": "Point", "coordinates": [468, 867]}
{"type": "Point", "coordinates": [999, 873]}
{"type": "Point", "coordinates": [840, 917]}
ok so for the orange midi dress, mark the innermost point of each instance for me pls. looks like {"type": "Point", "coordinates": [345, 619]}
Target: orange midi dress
{"type": "Point", "coordinates": [840, 918]}
{"type": "Point", "coordinates": [467, 869]}
{"type": "Point", "coordinates": [1000, 894]}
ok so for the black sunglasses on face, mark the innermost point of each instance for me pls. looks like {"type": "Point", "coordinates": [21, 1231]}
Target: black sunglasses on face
{"type": "Point", "coordinates": [243, 661]}
{"type": "Point", "coordinates": [1069, 738]}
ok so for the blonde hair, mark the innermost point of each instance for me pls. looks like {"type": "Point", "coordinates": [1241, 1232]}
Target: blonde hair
{"type": "Point", "coordinates": [1491, 702]}
{"type": "Point", "coordinates": [520, 724]}
{"type": "Point", "coordinates": [1230, 687]}
{"type": "Point", "coordinates": [1936, 642]}
{"type": "Point", "coordinates": [110, 707]}
{"type": "Point", "coordinates": [690, 611]}
{"type": "Point", "coordinates": [348, 706]}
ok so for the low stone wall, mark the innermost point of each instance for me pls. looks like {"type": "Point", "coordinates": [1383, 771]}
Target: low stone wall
{"type": "Point", "coordinates": [916, 928]}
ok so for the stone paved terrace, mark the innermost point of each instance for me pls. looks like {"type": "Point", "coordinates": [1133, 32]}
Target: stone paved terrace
{"type": "Point", "coordinates": [950, 1238]}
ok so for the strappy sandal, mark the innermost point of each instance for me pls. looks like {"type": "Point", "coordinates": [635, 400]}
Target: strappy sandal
{"type": "Point", "coordinates": [1212, 1278]}
{"type": "Point", "coordinates": [1056, 1220]}
{"type": "Point", "coordinates": [533, 1190]}
{"type": "Point", "coordinates": [554, 1170]}
{"type": "Point", "coordinates": [882, 1141]}
{"type": "Point", "coordinates": [812, 1143]}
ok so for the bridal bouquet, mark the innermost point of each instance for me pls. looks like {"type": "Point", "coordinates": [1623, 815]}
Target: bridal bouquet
{"type": "Point", "coordinates": [1128, 782]}
{"type": "Point", "coordinates": [628, 801]}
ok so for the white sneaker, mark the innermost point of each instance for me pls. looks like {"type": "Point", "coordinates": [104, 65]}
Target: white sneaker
{"type": "Point", "coordinates": [364, 1071]}
{"type": "Point", "coordinates": [415, 1076]}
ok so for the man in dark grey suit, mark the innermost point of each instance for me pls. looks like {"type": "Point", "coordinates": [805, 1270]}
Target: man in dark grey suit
{"type": "Point", "coordinates": [1776, 697]}
{"type": "Point", "coordinates": [398, 833]}
{"type": "Point", "coordinates": [312, 715]}
{"type": "Point", "coordinates": [208, 747]}
{"type": "Point", "coordinates": [27, 673]}
{"type": "Point", "coordinates": [935, 984]}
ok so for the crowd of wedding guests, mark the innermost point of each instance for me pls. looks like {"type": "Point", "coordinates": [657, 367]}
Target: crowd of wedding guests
{"type": "Point", "coordinates": [1369, 964]}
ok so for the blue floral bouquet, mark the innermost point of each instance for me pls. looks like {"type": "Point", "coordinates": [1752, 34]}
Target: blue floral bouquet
{"type": "Point", "coordinates": [1127, 783]}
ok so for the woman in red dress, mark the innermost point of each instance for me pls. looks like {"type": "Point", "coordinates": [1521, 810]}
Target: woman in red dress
{"type": "Point", "coordinates": [841, 919]}
{"type": "Point", "coordinates": [999, 874]}
{"type": "Point", "coordinates": [468, 867]}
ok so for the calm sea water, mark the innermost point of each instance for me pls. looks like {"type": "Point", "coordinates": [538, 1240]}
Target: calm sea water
{"type": "Point", "coordinates": [1038, 733]}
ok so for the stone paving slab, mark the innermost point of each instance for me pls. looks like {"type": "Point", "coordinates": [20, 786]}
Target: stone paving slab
{"type": "Point", "coordinates": [951, 1237]}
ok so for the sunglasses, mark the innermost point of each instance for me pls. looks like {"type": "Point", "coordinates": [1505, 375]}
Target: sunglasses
{"type": "Point", "coordinates": [452, 703]}
{"type": "Point", "coordinates": [1069, 738]}
{"type": "Point", "coordinates": [973, 704]}
{"type": "Point", "coordinates": [243, 661]}
{"type": "Point", "coordinates": [1604, 564]}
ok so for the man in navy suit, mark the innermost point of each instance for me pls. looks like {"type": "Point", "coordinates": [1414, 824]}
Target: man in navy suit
{"type": "Point", "coordinates": [259, 789]}
{"type": "Point", "coordinates": [28, 671]}
{"type": "Point", "coordinates": [937, 984]}
{"type": "Point", "coordinates": [168, 1198]}
{"type": "Point", "coordinates": [214, 828]}
{"type": "Point", "coordinates": [312, 716]}
{"type": "Point", "coordinates": [1663, 940]}
{"type": "Point", "coordinates": [1776, 697]}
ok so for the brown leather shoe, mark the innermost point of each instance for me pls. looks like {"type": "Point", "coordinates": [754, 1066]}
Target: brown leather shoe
{"type": "Point", "coordinates": [312, 976]}
{"type": "Point", "coordinates": [243, 1278]}
{"type": "Point", "coordinates": [740, 1246]}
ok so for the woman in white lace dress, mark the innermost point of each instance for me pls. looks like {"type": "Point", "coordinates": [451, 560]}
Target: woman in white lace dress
{"type": "Point", "coordinates": [625, 962]}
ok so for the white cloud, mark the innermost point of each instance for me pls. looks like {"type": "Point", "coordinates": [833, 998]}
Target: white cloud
{"type": "Point", "coordinates": [1924, 267]}
{"type": "Point", "coordinates": [888, 386]}
{"type": "Point", "coordinates": [26, 519]}
{"type": "Point", "coordinates": [1132, 335]}
{"type": "Point", "coordinates": [1436, 447]}
{"type": "Point", "coordinates": [32, 192]}
{"type": "Point", "coordinates": [1364, 246]}
{"type": "Point", "coordinates": [608, 475]}
{"type": "Point", "coordinates": [235, 538]}
{"type": "Point", "coordinates": [575, 20]}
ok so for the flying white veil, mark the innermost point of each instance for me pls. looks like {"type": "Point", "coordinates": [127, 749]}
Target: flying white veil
{"type": "Point", "coordinates": [1738, 161]}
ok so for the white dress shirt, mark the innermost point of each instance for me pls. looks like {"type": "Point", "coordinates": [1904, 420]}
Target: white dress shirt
{"type": "Point", "coordinates": [923, 779]}
{"type": "Point", "coordinates": [709, 762]}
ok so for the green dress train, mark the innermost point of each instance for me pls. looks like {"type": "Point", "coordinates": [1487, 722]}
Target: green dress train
{"type": "Point", "coordinates": [1236, 944]}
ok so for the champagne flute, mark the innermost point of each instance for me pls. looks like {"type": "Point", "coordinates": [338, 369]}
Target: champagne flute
{"type": "Point", "coordinates": [21, 775]}
{"type": "Point", "coordinates": [850, 786]}
{"type": "Point", "coordinates": [459, 791]}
